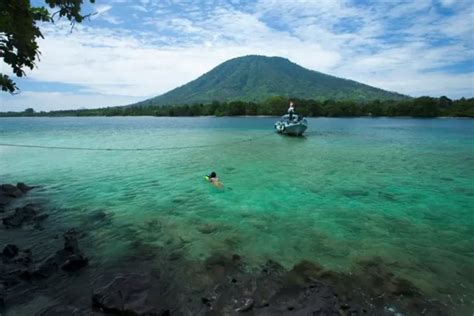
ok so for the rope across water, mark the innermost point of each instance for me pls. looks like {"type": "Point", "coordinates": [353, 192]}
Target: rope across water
{"type": "Point", "coordinates": [135, 149]}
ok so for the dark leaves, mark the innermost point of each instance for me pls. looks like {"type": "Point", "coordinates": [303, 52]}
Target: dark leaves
{"type": "Point", "coordinates": [7, 84]}
{"type": "Point", "coordinates": [19, 32]}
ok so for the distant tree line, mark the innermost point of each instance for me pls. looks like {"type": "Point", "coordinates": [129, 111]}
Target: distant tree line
{"type": "Point", "coordinates": [417, 107]}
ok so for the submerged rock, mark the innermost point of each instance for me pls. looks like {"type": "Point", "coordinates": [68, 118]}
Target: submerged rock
{"type": "Point", "coordinates": [15, 266]}
{"type": "Point", "coordinates": [21, 215]}
{"type": "Point", "coordinates": [10, 251]}
{"type": "Point", "coordinates": [70, 258]}
{"type": "Point", "coordinates": [4, 200]}
{"type": "Point", "coordinates": [11, 190]}
{"type": "Point", "coordinates": [74, 262]}
{"type": "Point", "coordinates": [63, 310]}
{"type": "Point", "coordinates": [98, 215]}
{"type": "Point", "coordinates": [23, 187]}
{"type": "Point", "coordinates": [315, 299]}
{"type": "Point", "coordinates": [127, 294]}
{"type": "Point", "coordinates": [2, 296]}
{"type": "Point", "coordinates": [46, 268]}
{"type": "Point", "coordinates": [25, 214]}
{"type": "Point", "coordinates": [307, 289]}
{"type": "Point", "coordinates": [11, 255]}
{"type": "Point", "coordinates": [208, 228]}
{"type": "Point", "coordinates": [272, 291]}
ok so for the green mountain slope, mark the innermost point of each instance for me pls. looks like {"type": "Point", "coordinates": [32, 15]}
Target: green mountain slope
{"type": "Point", "coordinates": [256, 78]}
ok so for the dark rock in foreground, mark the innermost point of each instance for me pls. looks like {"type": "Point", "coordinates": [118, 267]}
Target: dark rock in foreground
{"type": "Point", "coordinates": [271, 292]}
{"type": "Point", "coordinates": [70, 258]}
{"type": "Point", "coordinates": [2, 296]}
{"type": "Point", "coordinates": [63, 310]}
{"type": "Point", "coordinates": [10, 251]}
{"type": "Point", "coordinates": [4, 200]}
{"type": "Point", "coordinates": [22, 215]}
{"type": "Point", "coordinates": [23, 187]}
{"type": "Point", "coordinates": [15, 266]}
{"type": "Point", "coordinates": [127, 294]}
{"type": "Point", "coordinates": [9, 192]}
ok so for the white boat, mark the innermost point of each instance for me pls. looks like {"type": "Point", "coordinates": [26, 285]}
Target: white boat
{"type": "Point", "coordinates": [295, 126]}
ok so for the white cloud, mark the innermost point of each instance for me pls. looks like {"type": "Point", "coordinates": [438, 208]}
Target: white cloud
{"type": "Point", "coordinates": [174, 47]}
{"type": "Point", "coordinates": [100, 9]}
{"type": "Point", "coordinates": [46, 101]}
{"type": "Point", "coordinates": [447, 3]}
{"type": "Point", "coordinates": [139, 8]}
{"type": "Point", "coordinates": [102, 12]}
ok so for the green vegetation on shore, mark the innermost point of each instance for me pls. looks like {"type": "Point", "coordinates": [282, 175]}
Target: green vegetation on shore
{"type": "Point", "coordinates": [418, 107]}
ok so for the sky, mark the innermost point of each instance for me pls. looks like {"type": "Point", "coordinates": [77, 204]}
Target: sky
{"type": "Point", "coordinates": [131, 50]}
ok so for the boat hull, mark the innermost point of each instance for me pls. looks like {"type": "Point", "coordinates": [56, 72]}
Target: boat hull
{"type": "Point", "coordinates": [291, 129]}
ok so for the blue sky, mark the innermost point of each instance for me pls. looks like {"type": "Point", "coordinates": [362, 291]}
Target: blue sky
{"type": "Point", "coordinates": [132, 50]}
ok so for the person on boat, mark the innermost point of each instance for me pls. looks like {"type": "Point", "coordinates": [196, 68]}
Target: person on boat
{"type": "Point", "coordinates": [291, 110]}
{"type": "Point", "coordinates": [214, 179]}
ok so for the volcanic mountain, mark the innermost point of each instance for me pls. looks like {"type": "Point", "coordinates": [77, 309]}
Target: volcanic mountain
{"type": "Point", "coordinates": [256, 78]}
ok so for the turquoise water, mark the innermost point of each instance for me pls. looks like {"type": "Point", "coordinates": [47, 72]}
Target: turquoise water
{"type": "Point", "coordinates": [351, 190]}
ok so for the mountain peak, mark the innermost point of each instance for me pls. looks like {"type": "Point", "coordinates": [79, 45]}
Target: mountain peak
{"type": "Point", "coordinates": [258, 77]}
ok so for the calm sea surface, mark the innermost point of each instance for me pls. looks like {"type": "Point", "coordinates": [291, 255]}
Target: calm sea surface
{"type": "Point", "coordinates": [351, 190]}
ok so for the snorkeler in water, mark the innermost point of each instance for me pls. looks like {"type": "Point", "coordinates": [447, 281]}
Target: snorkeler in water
{"type": "Point", "coordinates": [212, 177]}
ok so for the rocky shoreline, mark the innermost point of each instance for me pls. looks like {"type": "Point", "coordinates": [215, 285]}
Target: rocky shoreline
{"type": "Point", "coordinates": [306, 289]}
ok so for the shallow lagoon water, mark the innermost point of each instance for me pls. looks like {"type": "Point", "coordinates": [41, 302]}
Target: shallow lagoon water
{"type": "Point", "coordinates": [351, 190]}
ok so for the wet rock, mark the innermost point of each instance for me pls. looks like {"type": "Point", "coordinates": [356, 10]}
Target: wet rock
{"type": "Point", "coordinates": [25, 214]}
{"type": "Point", "coordinates": [15, 266]}
{"type": "Point", "coordinates": [268, 283]}
{"type": "Point", "coordinates": [272, 291]}
{"type": "Point", "coordinates": [46, 268]}
{"type": "Point", "coordinates": [368, 288]}
{"type": "Point", "coordinates": [70, 258]}
{"type": "Point", "coordinates": [11, 255]}
{"type": "Point", "coordinates": [127, 294]}
{"type": "Point", "coordinates": [98, 215]}
{"type": "Point", "coordinates": [63, 310]}
{"type": "Point", "coordinates": [70, 242]}
{"type": "Point", "coordinates": [2, 296]}
{"type": "Point", "coordinates": [40, 217]}
{"type": "Point", "coordinates": [219, 266]}
{"type": "Point", "coordinates": [74, 262]}
{"type": "Point", "coordinates": [10, 251]}
{"type": "Point", "coordinates": [402, 287]}
{"type": "Point", "coordinates": [20, 216]}
{"type": "Point", "coordinates": [207, 229]}
{"type": "Point", "coordinates": [4, 200]}
{"type": "Point", "coordinates": [8, 192]}
{"type": "Point", "coordinates": [175, 255]}
{"type": "Point", "coordinates": [317, 299]}
{"type": "Point", "coordinates": [246, 306]}
{"type": "Point", "coordinates": [11, 190]}
{"type": "Point", "coordinates": [23, 187]}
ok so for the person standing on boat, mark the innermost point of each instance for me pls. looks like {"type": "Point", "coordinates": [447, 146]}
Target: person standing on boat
{"type": "Point", "coordinates": [291, 110]}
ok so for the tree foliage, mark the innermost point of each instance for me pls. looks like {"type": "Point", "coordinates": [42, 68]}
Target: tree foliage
{"type": "Point", "coordinates": [275, 106]}
{"type": "Point", "coordinates": [19, 32]}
